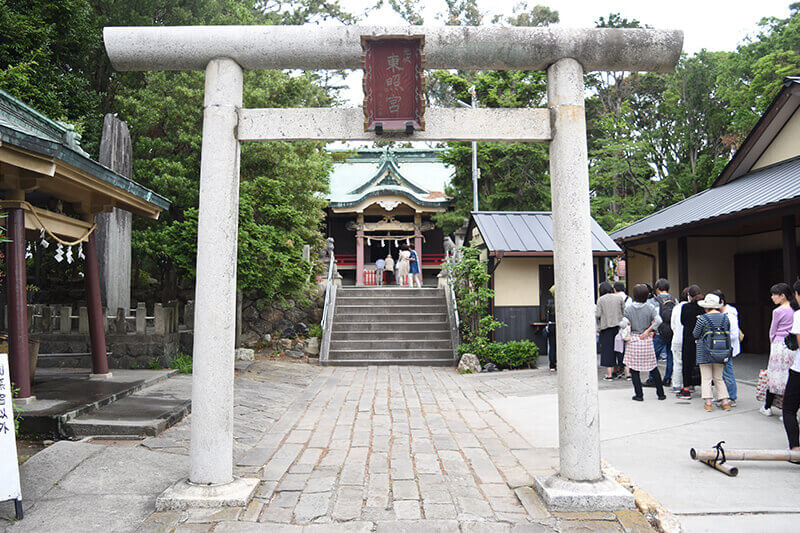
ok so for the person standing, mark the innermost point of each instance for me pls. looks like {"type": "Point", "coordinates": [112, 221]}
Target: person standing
{"type": "Point", "coordinates": [662, 340]}
{"type": "Point", "coordinates": [677, 341]}
{"type": "Point", "coordinates": [403, 265]}
{"type": "Point", "coordinates": [780, 357]}
{"type": "Point", "coordinates": [707, 327]}
{"type": "Point", "coordinates": [414, 267]}
{"type": "Point", "coordinates": [736, 347]}
{"type": "Point", "coordinates": [689, 314]}
{"type": "Point", "coordinates": [380, 264]}
{"type": "Point", "coordinates": [791, 395]}
{"type": "Point", "coordinates": [609, 312]}
{"type": "Point", "coordinates": [388, 265]}
{"type": "Point", "coordinates": [639, 353]}
{"type": "Point", "coordinates": [620, 288]}
{"type": "Point", "coordinates": [619, 344]}
{"type": "Point", "coordinates": [550, 328]}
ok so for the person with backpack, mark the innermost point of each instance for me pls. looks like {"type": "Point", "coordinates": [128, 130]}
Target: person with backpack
{"type": "Point", "coordinates": [736, 347]}
{"type": "Point", "coordinates": [713, 333]}
{"type": "Point", "coordinates": [689, 314]}
{"type": "Point", "coordinates": [643, 320]}
{"type": "Point", "coordinates": [662, 340]}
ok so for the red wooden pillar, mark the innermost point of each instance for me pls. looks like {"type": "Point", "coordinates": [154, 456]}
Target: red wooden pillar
{"type": "Point", "coordinates": [418, 241]}
{"type": "Point", "coordinates": [360, 258]}
{"type": "Point", "coordinates": [17, 303]}
{"type": "Point", "coordinates": [96, 331]}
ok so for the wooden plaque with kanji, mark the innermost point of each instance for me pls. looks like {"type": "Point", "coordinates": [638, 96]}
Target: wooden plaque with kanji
{"type": "Point", "coordinates": [394, 82]}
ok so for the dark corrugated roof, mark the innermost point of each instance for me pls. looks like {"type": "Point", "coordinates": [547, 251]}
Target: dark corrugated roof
{"type": "Point", "coordinates": [529, 231]}
{"type": "Point", "coordinates": [763, 187]}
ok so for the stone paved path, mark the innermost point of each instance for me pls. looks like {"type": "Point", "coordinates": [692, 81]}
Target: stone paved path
{"type": "Point", "coordinates": [386, 449]}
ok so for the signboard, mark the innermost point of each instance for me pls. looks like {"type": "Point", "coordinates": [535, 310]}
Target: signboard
{"type": "Point", "coordinates": [394, 83]}
{"type": "Point", "coordinates": [9, 467]}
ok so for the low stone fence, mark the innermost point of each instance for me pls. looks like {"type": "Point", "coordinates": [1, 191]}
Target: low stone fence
{"type": "Point", "coordinates": [134, 338]}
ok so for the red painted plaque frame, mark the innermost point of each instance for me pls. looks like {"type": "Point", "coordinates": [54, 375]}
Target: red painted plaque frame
{"type": "Point", "coordinates": [394, 81]}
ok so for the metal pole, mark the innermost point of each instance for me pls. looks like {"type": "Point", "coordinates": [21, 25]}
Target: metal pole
{"type": "Point", "coordinates": [474, 157]}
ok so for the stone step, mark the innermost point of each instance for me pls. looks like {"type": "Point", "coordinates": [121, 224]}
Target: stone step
{"type": "Point", "coordinates": [388, 317]}
{"type": "Point", "coordinates": [380, 301]}
{"type": "Point", "coordinates": [387, 362]}
{"type": "Point", "coordinates": [389, 309]}
{"type": "Point", "coordinates": [382, 344]}
{"type": "Point", "coordinates": [347, 325]}
{"type": "Point", "coordinates": [389, 335]}
{"type": "Point", "coordinates": [387, 354]}
{"type": "Point", "coordinates": [387, 292]}
{"type": "Point", "coordinates": [144, 414]}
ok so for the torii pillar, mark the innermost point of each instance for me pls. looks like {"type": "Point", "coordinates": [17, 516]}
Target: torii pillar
{"type": "Point", "coordinates": [223, 51]}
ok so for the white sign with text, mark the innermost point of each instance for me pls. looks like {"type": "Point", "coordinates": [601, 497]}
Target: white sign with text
{"type": "Point", "coordinates": [9, 467]}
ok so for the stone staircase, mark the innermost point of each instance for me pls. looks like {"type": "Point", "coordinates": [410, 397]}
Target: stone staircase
{"type": "Point", "coordinates": [390, 326]}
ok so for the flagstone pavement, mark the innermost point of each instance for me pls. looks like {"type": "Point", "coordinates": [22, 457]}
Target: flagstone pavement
{"type": "Point", "coordinates": [380, 449]}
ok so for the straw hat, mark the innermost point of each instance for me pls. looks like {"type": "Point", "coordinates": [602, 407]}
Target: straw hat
{"type": "Point", "coordinates": [711, 301]}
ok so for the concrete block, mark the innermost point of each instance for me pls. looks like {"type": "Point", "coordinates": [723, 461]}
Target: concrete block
{"type": "Point", "coordinates": [65, 319]}
{"type": "Point", "coordinates": [160, 319]}
{"type": "Point", "coordinates": [561, 494]}
{"type": "Point", "coordinates": [141, 317]}
{"type": "Point", "coordinates": [83, 320]}
{"type": "Point", "coordinates": [184, 495]}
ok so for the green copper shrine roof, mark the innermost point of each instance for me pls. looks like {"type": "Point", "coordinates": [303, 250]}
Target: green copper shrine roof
{"type": "Point", "coordinates": [25, 127]}
{"type": "Point", "coordinates": [417, 174]}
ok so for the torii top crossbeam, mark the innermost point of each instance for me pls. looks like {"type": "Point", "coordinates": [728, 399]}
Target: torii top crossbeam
{"type": "Point", "coordinates": [339, 47]}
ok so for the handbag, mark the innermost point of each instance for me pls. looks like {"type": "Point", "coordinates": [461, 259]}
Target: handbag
{"type": "Point", "coordinates": [761, 386]}
{"type": "Point", "coordinates": [791, 342]}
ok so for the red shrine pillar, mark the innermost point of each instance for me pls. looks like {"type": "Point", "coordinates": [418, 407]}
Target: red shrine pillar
{"type": "Point", "coordinates": [360, 252]}
{"type": "Point", "coordinates": [17, 303]}
{"type": "Point", "coordinates": [418, 240]}
{"type": "Point", "coordinates": [96, 331]}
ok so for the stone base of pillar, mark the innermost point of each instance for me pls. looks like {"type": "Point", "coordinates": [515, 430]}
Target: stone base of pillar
{"type": "Point", "coordinates": [100, 377]}
{"type": "Point", "coordinates": [184, 495]}
{"type": "Point", "coordinates": [561, 494]}
{"type": "Point", "coordinates": [24, 401]}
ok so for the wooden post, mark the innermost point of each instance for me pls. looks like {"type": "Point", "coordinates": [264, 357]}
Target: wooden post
{"type": "Point", "coordinates": [789, 249]}
{"type": "Point", "coordinates": [17, 303]}
{"type": "Point", "coordinates": [418, 241]}
{"type": "Point", "coordinates": [683, 264]}
{"type": "Point", "coordinates": [663, 270]}
{"type": "Point", "coordinates": [360, 252]}
{"type": "Point", "coordinates": [97, 333]}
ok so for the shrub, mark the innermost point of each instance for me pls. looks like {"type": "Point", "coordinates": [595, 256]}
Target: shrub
{"type": "Point", "coordinates": [315, 331]}
{"type": "Point", "coordinates": [512, 355]}
{"type": "Point", "coordinates": [183, 363]}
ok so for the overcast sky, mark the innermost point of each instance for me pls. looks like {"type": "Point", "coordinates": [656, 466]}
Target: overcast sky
{"type": "Point", "coordinates": [711, 24]}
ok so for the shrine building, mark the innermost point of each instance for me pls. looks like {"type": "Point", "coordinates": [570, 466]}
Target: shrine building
{"type": "Point", "coordinates": [381, 199]}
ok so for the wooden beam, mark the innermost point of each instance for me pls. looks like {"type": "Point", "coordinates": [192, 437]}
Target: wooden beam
{"type": "Point", "coordinates": [789, 249]}
{"type": "Point", "coordinates": [17, 157]}
{"type": "Point", "coordinates": [662, 259]}
{"type": "Point", "coordinates": [683, 264]}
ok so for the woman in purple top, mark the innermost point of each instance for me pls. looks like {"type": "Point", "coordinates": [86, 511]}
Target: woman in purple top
{"type": "Point", "coordinates": [780, 357]}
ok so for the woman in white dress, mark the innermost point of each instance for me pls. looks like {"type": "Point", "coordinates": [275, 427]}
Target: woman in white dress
{"type": "Point", "coordinates": [403, 265]}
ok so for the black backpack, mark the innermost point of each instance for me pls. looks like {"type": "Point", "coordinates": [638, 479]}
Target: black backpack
{"type": "Point", "coordinates": [666, 304]}
{"type": "Point", "coordinates": [717, 341]}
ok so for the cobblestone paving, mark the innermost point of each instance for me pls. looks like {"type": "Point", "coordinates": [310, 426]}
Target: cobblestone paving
{"type": "Point", "coordinates": [383, 449]}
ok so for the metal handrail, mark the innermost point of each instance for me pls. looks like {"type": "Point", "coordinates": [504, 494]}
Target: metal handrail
{"type": "Point", "coordinates": [328, 286]}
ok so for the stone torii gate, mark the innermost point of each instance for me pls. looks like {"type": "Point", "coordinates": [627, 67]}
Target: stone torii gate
{"type": "Point", "coordinates": [224, 51]}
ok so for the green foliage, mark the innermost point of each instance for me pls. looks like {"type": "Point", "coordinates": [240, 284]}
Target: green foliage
{"type": "Point", "coordinates": [183, 363]}
{"type": "Point", "coordinates": [17, 409]}
{"type": "Point", "coordinates": [315, 331]}
{"type": "Point", "coordinates": [154, 364]}
{"type": "Point", "coordinates": [469, 279]}
{"type": "Point", "coordinates": [511, 355]}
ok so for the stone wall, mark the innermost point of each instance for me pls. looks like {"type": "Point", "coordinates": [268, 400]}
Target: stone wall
{"type": "Point", "coordinates": [262, 320]}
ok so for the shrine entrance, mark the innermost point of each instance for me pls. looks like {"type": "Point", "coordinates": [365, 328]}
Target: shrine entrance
{"type": "Point", "coordinates": [381, 199]}
{"type": "Point", "coordinates": [224, 51]}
